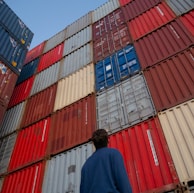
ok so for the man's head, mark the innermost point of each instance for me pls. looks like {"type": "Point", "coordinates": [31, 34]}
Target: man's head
{"type": "Point", "coordinates": [100, 138]}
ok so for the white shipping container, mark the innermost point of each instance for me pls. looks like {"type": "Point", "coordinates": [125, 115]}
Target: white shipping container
{"type": "Point", "coordinates": [63, 172]}
{"type": "Point", "coordinates": [178, 126]}
{"type": "Point", "coordinates": [75, 87]}
{"type": "Point", "coordinates": [79, 24]}
{"type": "Point", "coordinates": [6, 148]}
{"type": "Point", "coordinates": [76, 41]}
{"type": "Point", "coordinates": [12, 119]}
{"type": "Point", "coordinates": [45, 78]}
{"type": "Point", "coordinates": [76, 60]}
{"type": "Point", "coordinates": [54, 41]}
{"type": "Point", "coordinates": [105, 9]}
{"type": "Point", "coordinates": [124, 105]}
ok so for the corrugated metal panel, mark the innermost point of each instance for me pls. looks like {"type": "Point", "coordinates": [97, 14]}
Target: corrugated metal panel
{"type": "Point", "coordinates": [2, 111]}
{"type": "Point", "coordinates": [135, 8]}
{"type": "Point", "coordinates": [27, 180]}
{"type": "Point", "coordinates": [126, 104]}
{"type": "Point", "coordinates": [34, 53]}
{"type": "Point", "coordinates": [104, 10]}
{"type": "Point", "coordinates": [163, 43]}
{"type": "Point", "coordinates": [180, 6]}
{"type": "Point", "coordinates": [51, 57]}
{"type": "Point", "coordinates": [76, 60]}
{"type": "Point", "coordinates": [79, 24]}
{"type": "Point", "coordinates": [12, 23]}
{"type": "Point", "coordinates": [150, 20]}
{"type": "Point", "coordinates": [14, 114]}
{"type": "Point", "coordinates": [107, 23]}
{"type": "Point", "coordinates": [45, 78]}
{"type": "Point", "coordinates": [62, 172]}
{"type": "Point", "coordinates": [171, 81]}
{"type": "Point", "coordinates": [178, 127]}
{"type": "Point", "coordinates": [21, 92]}
{"type": "Point", "coordinates": [111, 42]}
{"type": "Point", "coordinates": [30, 145]}
{"type": "Point", "coordinates": [27, 71]}
{"type": "Point", "coordinates": [7, 83]}
{"type": "Point", "coordinates": [39, 106]}
{"type": "Point", "coordinates": [187, 20]}
{"type": "Point", "coordinates": [78, 40]}
{"type": "Point", "coordinates": [6, 148]}
{"type": "Point", "coordinates": [11, 53]}
{"type": "Point", "coordinates": [147, 159]}
{"type": "Point", "coordinates": [54, 41]}
{"type": "Point", "coordinates": [115, 68]}
{"type": "Point", "coordinates": [124, 2]}
{"type": "Point", "coordinates": [1, 183]}
{"type": "Point", "coordinates": [74, 87]}
{"type": "Point", "coordinates": [72, 125]}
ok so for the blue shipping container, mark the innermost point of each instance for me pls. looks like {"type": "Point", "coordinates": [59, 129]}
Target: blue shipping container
{"type": "Point", "coordinates": [13, 24]}
{"type": "Point", "coordinates": [11, 53]}
{"type": "Point", "coordinates": [27, 71]}
{"type": "Point", "coordinates": [115, 68]}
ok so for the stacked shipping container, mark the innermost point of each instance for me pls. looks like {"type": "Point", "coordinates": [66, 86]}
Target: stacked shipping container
{"type": "Point", "coordinates": [15, 41]}
{"type": "Point", "coordinates": [126, 67]}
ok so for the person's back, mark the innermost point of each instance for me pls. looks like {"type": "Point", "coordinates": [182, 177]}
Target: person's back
{"type": "Point", "coordinates": [104, 171]}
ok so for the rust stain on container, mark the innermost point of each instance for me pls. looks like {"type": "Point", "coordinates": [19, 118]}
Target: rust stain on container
{"type": "Point", "coordinates": [171, 81]}
{"type": "Point", "coordinates": [72, 125]}
{"type": "Point", "coordinates": [39, 106]}
{"type": "Point", "coordinates": [163, 43]}
{"type": "Point", "coordinates": [147, 159]}
{"type": "Point", "coordinates": [150, 20]}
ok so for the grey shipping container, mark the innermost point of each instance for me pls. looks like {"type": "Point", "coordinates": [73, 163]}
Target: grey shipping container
{"type": "Point", "coordinates": [45, 78]}
{"type": "Point", "coordinates": [124, 105]}
{"type": "Point", "coordinates": [14, 114]}
{"type": "Point", "coordinates": [180, 6]}
{"type": "Point", "coordinates": [6, 148]}
{"type": "Point", "coordinates": [76, 60]}
{"type": "Point", "coordinates": [62, 172]}
{"type": "Point", "coordinates": [14, 25]}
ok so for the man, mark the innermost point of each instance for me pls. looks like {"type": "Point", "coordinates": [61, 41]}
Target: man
{"type": "Point", "coordinates": [104, 170]}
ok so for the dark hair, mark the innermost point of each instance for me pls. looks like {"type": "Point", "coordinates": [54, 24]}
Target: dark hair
{"type": "Point", "coordinates": [100, 138]}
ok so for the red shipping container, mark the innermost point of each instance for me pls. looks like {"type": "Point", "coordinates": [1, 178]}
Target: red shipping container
{"type": "Point", "coordinates": [72, 125]}
{"type": "Point", "coordinates": [7, 83]}
{"type": "Point", "coordinates": [30, 145]}
{"type": "Point", "coordinates": [147, 159]}
{"type": "Point", "coordinates": [21, 92]}
{"type": "Point", "coordinates": [150, 20]}
{"type": "Point", "coordinates": [171, 81]}
{"type": "Point", "coordinates": [124, 2]}
{"type": "Point", "coordinates": [51, 57]}
{"type": "Point", "coordinates": [2, 111]}
{"type": "Point", "coordinates": [111, 42]}
{"type": "Point", "coordinates": [188, 21]}
{"type": "Point", "coordinates": [137, 7]}
{"type": "Point", "coordinates": [27, 180]}
{"type": "Point", "coordinates": [107, 23]}
{"type": "Point", "coordinates": [163, 43]}
{"type": "Point", "coordinates": [39, 106]}
{"type": "Point", "coordinates": [34, 53]}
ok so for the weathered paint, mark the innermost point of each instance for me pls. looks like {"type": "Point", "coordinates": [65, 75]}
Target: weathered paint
{"type": "Point", "coordinates": [147, 159]}
{"type": "Point", "coordinates": [171, 81]}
